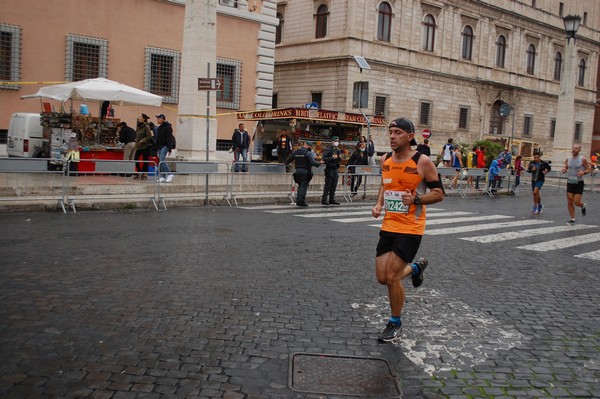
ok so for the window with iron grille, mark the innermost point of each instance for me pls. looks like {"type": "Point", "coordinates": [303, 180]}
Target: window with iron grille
{"type": "Point", "coordinates": [463, 118]}
{"type": "Point", "coordinates": [10, 55]}
{"type": "Point", "coordinates": [425, 113]}
{"type": "Point", "coordinates": [87, 58]}
{"type": "Point", "coordinates": [578, 129]}
{"type": "Point", "coordinates": [223, 145]}
{"type": "Point", "coordinates": [161, 75]}
{"type": "Point", "coordinates": [229, 3]}
{"type": "Point", "coordinates": [527, 125]}
{"type": "Point", "coordinates": [229, 72]}
{"type": "Point", "coordinates": [381, 106]}
{"type": "Point", "coordinates": [552, 128]}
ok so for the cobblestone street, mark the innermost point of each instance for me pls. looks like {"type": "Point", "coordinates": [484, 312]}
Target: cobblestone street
{"type": "Point", "coordinates": [213, 301]}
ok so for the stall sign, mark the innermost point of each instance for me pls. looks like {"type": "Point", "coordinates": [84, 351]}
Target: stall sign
{"type": "Point", "coordinates": [303, 113]}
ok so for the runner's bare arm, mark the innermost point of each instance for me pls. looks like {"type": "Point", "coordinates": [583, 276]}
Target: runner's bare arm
{"type": "Point", "coordinates": [430, 175]}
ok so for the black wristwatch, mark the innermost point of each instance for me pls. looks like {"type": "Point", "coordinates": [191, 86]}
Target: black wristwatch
{"type": "Point", "coordinates": [417, 200]}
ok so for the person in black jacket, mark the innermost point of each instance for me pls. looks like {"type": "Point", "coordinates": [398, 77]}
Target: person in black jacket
{"type": "Point", "coordinates": [127, 137]}
{"type": "Point", "coordinates": [304, 160]}
{"type": "Point", "coordinates": [359, 157]}
{"type": "Point", "coordinates": [331, 158]}
{"type": "Point", "coordinates": [240, 141]}
{"type": "Point", "coordinates": [164, 142]}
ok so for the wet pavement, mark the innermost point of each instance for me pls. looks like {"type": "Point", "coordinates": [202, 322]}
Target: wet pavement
{"type": "Point", "coordinates": [215, 301]}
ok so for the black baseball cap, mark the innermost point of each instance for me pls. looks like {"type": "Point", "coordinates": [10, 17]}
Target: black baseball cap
{"type": "Point", "coordinates": [406, 125]}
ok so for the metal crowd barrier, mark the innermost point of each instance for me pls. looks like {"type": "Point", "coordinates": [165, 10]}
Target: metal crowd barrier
{"type": "Point", "coordinates": [363, 172]}
{"type": "Point", "coordinates": [554, 176]}
{"type": "Point", "coordinates": [31, 180]}
{"type": "Point", "coordinates": [504, 181]}
{"type": "Point", "coordinates": [260, 180]}
{"type": "Point", "coordinates": [194, 180]}
{"type": "Point", "coordinates": [106, 182]}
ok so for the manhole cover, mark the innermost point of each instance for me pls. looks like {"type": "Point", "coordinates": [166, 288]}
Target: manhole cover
{"type": "Point", "coordinates": [342, 375]}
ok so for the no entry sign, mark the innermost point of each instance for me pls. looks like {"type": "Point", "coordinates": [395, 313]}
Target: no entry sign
{"type": "Point", "coordinates": [426, 133]}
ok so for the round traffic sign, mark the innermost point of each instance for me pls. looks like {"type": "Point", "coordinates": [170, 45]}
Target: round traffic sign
{"type": "Point", "coordinates": [426, 133]}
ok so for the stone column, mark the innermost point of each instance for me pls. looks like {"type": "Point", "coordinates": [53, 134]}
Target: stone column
{"type": "Point", "coordinates": [565, 112]}
{"type": "Point", "coordinates": [199, 49]}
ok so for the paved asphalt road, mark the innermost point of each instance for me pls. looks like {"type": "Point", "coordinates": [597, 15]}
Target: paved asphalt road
{"type": "Point", "coordinates": [214, 301]}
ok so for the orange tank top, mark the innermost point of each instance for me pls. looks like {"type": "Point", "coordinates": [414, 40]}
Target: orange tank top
{"type": "Point", "coordinates": [398, 178]}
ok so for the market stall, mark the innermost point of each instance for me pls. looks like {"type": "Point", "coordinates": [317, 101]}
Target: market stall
{"type": "Point", "coordinates": [316, 125]}
{"type": "Point", "coordinates": [91, 137]}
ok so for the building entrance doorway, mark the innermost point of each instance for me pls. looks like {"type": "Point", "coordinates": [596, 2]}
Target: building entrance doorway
{"type": "Point", "coordinates": [496, 121]}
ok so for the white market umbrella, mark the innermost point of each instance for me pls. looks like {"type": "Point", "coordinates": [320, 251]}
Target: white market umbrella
{"type": "Point", "coordinates": [99, 89]}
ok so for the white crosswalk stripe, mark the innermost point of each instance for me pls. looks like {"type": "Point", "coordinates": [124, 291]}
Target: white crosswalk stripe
{"type": "Point", "coordinates": [562, 243]}
{"type": "Point", "coordinates": [481, 227]}
{"type": "Point", "coordinates": [469, 224]}
{"type": "Point", "coordinates": [513, 235]}
{"type": "Point", "coordinates": [594, 255]}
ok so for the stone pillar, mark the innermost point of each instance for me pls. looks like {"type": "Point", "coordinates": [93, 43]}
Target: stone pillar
{"type": "Point", "coordinates": [199, 49]}
{"type": "Point", "coordinates": [565, 111]}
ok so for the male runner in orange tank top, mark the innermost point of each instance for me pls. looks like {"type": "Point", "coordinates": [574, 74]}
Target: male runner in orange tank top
{"type": "Point", "coordinates": [406, 176]}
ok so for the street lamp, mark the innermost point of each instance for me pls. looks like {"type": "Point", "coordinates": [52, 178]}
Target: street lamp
{"type": "Point", "coordinates": [565, 112]}
{"type": "Point", "coordinates": [572, 26]}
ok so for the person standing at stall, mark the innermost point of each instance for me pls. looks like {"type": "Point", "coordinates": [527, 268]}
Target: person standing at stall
{"type": "Point", "coordinates": [284, 147]}
{"type": "Point", "coordinates": [331, 158]}
{"type": "Point", "coordinates": [143, 141]}
{"type": "Point", "coordinates": [304, 160]}
{"type": "Point", "coordinates": [164, 141]}
{"type": "Point", "coordinates": [406, 176]}
{"type": "Point", "coordinates": [127, 137]}
{"type": "Point", "coordinates": [240, 144]}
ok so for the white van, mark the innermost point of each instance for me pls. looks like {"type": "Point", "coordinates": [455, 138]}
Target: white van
{"type": "Point", "coordinates": [25, 138]}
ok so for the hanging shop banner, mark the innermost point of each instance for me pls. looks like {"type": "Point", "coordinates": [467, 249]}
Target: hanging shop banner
{"type": "Point", "coordinates": [313, 114]}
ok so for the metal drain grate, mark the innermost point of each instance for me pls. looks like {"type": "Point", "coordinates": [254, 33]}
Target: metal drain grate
{"type": "Point", "coordinates": [342, 375]}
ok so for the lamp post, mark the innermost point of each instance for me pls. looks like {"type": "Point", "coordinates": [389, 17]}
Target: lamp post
{"type": "Point", "coordinates": [565, 112]}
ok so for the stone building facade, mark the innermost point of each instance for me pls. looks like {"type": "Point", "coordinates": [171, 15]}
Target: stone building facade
{"type": "Point", "coordinates": [447, 65]}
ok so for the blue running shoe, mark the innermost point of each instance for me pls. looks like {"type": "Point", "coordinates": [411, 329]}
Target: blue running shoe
{"type": "Point", "coordinates": [534, 210]}
{"type": "Point", "coordinates": [540, 208]}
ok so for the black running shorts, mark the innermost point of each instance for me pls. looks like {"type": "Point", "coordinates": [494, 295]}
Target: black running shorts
{"type": "Point", "coordinates": [403, 245]}
{"type": "Point", "coordinates": [575, 188]}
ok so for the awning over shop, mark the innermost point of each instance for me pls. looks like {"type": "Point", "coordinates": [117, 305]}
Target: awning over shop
{"type": "Point", "coordinates": [310, 114]}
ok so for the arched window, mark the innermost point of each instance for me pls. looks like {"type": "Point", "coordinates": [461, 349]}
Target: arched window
{"type": "Point", "coordinates": [384, 22]}
{"type": "Point", "coordinates": [500, 51]}
{"type": "Point", "coordinates": [531, 59]}
{"type": "Point", "coordinates": [279, 29]}
{"type": "Point", "coordinates": [428, 37]}
{"type": "Point", "coordinates": [467, 43]}
{"type": "Point", "coordinates": [321, 17]}
{"type": "Point", "coordinates": [581, 78]}
{"type": "Point", "coordinates": [557, 65]}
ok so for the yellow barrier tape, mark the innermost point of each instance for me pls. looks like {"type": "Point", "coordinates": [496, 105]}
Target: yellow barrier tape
{"type": "Point", "coordinates": [31, 83]}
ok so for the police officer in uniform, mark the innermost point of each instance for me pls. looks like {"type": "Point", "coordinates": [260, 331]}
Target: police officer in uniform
{"type": "Point", "coordinates": [331, 158]}
{"type": "Point", "coordinates": [304, 160]}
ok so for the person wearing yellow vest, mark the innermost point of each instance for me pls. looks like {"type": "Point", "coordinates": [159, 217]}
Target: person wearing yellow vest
{"type": "Point", "coordinates": [409, 181]}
